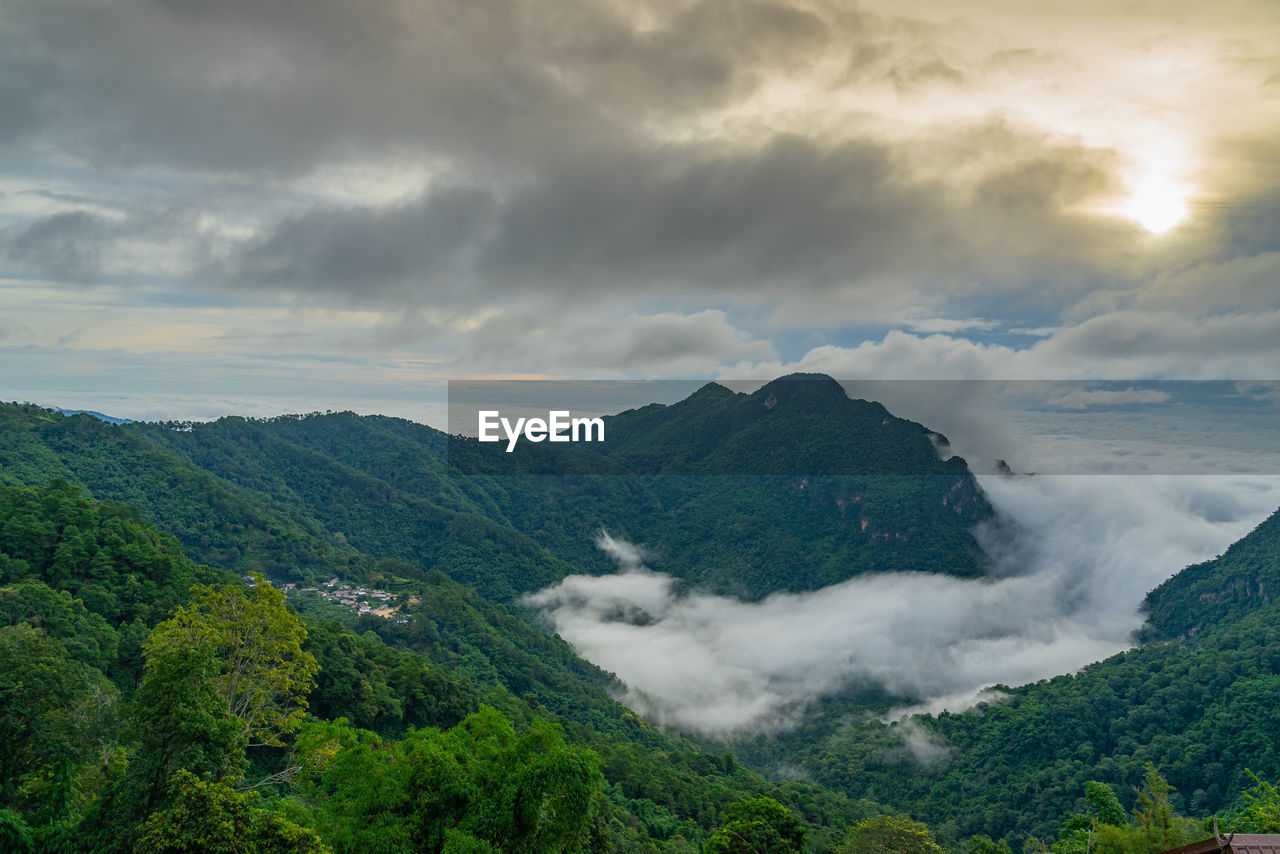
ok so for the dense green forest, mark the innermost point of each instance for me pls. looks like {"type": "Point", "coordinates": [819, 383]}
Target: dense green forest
{"type": "Point", "coordinates": [1200, 701]}
{"type": "Point", "coordinates": [773, 500]}
{"type": "Point", "coordinates": [153, 704]}
{"type": "Point", "coordinates": [455, 722]}
{"type": "Point", "coordinates": [191, 701]}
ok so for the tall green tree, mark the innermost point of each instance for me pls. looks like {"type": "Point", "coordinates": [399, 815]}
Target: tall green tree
{"type": "Point", "coordinates": [226, 672]}
{"type": "Point", "coordinates": [891, 834]}
{"type": "Point", "coordinates": [263, 675]}
{"type": "Point", "coordinates": [757, 826]}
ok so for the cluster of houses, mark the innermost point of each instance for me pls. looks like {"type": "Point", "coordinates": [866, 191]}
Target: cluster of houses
{"type": "Point", "coordinates": [362, 600]}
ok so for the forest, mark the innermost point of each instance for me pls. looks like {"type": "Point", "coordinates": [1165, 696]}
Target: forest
{"type": "Point", "coordinates": [160, 692]}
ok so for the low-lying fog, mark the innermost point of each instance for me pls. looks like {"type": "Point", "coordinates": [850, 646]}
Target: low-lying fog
{"type": "Point", "coordinates": [1061, 593]}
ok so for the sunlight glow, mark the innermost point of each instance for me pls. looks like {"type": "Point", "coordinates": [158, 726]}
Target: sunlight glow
{"type": "Point", "coordinates": [1157, 201]}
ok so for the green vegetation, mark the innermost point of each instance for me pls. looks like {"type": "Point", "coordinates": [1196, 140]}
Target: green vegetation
{"type": "Point", "coordinates": [148, 701]}
{"type": "Point", "coordinates": [891, 834]}
{"type": "Point", "coordinates": [133, 724]}
{"type": "Point", "coordinates": [1203, 708]}
{"type": "Point", "coordinates": [794, 487]}
{"type": "Point", "coordinates": [757, 825]}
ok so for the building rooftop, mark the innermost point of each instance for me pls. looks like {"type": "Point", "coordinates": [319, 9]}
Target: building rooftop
{"type": "Point", "coordinates": [1233, 843]}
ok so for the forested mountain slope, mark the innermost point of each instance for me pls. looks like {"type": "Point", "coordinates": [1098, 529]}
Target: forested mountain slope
{"type": "Point", "coordinates": [1202, 705]}
{"type": "Point", "coordinates": [793, 487]}
{"type": "Point", "coordinates": [456, 533]}
{"type": "Point", "coordinates": [116, 733]}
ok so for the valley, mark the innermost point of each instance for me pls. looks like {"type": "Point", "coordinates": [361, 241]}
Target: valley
{"type": "Point", "coordinates": [414, 566]}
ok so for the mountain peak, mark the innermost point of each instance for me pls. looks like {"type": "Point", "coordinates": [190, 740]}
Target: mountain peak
{"type": "Point", "coordinates": [712, 391]}
{"type": "Point", "coordinates": [801, 387]}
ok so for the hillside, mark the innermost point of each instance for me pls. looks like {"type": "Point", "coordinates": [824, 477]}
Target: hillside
{"type": "Point", "coordinates": [794, 487]}
{"type": "Point", "coordinates": [775, 490]}
{"type": "Point", "coordinates": [1200, 701]}
{"type": "Point", "coordinates": [84, 588]}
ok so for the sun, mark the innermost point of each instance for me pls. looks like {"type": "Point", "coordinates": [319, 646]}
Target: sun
{"type": "Point", "coordinates": [1157, 200]}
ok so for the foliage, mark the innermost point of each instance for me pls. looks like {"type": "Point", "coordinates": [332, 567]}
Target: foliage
{"type": "Point", "coordinates": [54, 712]}
{"type": "Point", "coordinates": [1257, 810]}
{"type": "Point", "coordinates": [15, 836]}
{"type": "Point", "coordinates": [890, 834]}
{"type": "Point", "coordinates": [83, 582]}
{"type": "Point", "coordinates": [478, 784]}
{"type": "Point", "coordinates": [1105, 829]}
{"type": "Point", "coordinates": [663, 792]}
{"type": "Point", "coordinates": [757, 826]}
{"type": "Point", "coordinates": [214, 818]}
{"type": "Point", "coordinates": [255, 642]}
{"type": "Point", "coordinates": [979, 844]}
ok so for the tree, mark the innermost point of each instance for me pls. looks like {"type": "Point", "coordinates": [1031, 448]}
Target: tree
{"type": "Point", "coordinates": [225, 673]}
{"type": "Point", "coordinates": [263, 675]}
{"type": "Point", "coordinates": [478, 787]}
{"type": "Point", "coordinates": [1155, 826]}
{"type": "Point", "coordinates": [1080, 831]}
{"type": "Point", "coordinates": [891, 834]}
{"type": "Point", "coordinates": [514, 791]}
{"type": "Point", "coordinates": [53, 710]}
{"type": "Point", "coordinates": [1104, 806]}
{"type": "Point", "coordinates": [1260, 808]}
{"type": "Point", "coordinates": [1160, 827]}
{"type": "Point", "coordinates": [986, 845]}
{"type": "Point", "coordinates": [215, 819]}
{"type": "Point", "coordinates": [757, 826]}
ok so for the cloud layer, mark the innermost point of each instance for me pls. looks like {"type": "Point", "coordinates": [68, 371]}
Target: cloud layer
{"type": "Point", "coordinates": [660, 188]}
{"type": "Point", "coordinates": [1069, 567]}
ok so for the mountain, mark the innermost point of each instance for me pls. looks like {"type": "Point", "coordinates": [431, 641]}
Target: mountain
{"type": "Point", "coordinates": [98, 415]}
{"type": "Point", "coordinates": [789, 488]}
{"type": "Point", "coordinates": [1200, 700]}
{"type": "Point", "coordinates": [801, 424]}
{"type": "Point", "coordinates": [83, 585]}
{"type": "Point", "coordinates": [1244, 580]}
{"type": "Point", "coordinates": [794, 487]}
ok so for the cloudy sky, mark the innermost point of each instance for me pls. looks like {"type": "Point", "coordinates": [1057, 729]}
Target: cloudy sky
{"type": "Point", "coordinates": [267, 205]}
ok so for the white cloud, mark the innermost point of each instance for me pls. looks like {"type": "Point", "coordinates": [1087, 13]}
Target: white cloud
{"type": "Point", "coordinates": [1069, 570]}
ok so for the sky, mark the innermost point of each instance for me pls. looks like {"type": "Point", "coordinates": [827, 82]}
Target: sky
{"type": "Point", "coordinates": [273, 205]}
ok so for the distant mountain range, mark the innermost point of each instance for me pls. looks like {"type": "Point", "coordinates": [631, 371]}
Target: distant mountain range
{"type": "Point", "coordinates": [98, 415]}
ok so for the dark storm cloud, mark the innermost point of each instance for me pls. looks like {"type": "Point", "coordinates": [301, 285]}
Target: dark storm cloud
{"type": "Point", "coordinates": [452, 157]}
{"type": "Point", "coordinates": [69, 243]}
{"type": "Point", "coordinates": [424, 247]}
{"type": "Point", "coordinates": [271, 86]}
{"type": "Point", "coordinates": [708, 221]}
{"type": "Point", "coordinates": [284, 85]}
{"type": "Point", "coordinates": [88, 245]}
{"type": "Point", "coordinates": [679, 217]}
{"type": "Point", "coordinates": [548, 134]}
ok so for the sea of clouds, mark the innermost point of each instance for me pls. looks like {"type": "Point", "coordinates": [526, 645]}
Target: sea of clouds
{"type": "Point", "coordinates": [1070, 563]}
